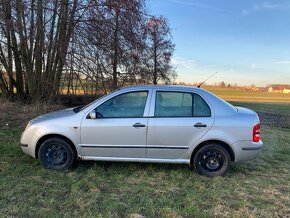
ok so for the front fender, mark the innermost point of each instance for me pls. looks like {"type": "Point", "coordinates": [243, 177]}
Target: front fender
{"type": "Point", "coordinates": [33, 134]}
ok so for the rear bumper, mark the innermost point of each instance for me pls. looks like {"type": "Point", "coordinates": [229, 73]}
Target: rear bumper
{"type": "Point", "coordinates": [251, 148]}
{"type": "Point", "coordinates": [247, 150]}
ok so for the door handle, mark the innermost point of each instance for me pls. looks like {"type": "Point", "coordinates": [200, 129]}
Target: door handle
{"type": "Point", "coordinates": [200, 125]}
{"type": "Point", "coordinates": [138, 125]}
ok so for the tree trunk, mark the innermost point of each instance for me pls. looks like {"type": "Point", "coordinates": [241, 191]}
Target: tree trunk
{"type": "Point", "coordinates": [155, 66]}
{"type": "Point", "coordinates": [115, 59]}
{"type": "Point", "coordinates": [155, 60]}
{"type": "Point", "coordinates": [3, 84]}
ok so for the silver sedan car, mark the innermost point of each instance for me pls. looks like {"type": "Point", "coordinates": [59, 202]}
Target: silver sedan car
{"type": "Point", "coordinates": [157, 124]}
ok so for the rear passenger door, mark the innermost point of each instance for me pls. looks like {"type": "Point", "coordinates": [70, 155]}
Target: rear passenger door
{"type": "Point", "coordinates": [177, 120]}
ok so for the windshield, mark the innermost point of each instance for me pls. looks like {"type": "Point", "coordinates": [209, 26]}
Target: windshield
{"type": "Point", "coordinates": [83, 107]}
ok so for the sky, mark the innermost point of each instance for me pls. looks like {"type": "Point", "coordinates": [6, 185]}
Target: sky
{"type": "Point", "coordinates": [245, 41]}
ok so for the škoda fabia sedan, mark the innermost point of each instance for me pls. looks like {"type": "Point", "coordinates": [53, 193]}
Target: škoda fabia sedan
{"type": "Point", "coordinates": [157, 124]}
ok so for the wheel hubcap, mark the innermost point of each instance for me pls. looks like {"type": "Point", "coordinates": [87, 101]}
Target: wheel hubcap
{"type": "Point", "coordinates": [211, 160]}
{"type": "Point", "coordinates": [56, 155]}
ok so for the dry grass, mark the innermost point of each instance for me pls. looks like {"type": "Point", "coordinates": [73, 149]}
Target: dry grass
{"type": "Point", "coordinates": [16, 114]}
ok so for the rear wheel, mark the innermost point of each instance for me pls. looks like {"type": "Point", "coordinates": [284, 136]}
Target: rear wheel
{"type": "Point", "coordinates": [56, 154]}
{"type": "Point", "coordinates": [212, 160]}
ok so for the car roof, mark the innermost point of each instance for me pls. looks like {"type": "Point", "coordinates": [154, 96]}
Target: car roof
{"type": "Point", "coordinates": [160, 87]}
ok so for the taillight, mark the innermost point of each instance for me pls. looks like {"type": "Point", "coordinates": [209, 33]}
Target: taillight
{"type": "Point", "coordinates": [256, 133]}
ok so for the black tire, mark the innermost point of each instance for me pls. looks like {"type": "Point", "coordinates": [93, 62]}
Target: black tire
{"type": "Point", "coordinates": [56, 154]}
{"type": "Point", "coordinates": [212, 160]}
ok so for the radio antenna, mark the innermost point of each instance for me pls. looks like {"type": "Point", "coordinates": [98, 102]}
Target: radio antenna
{"type": "Point", "coordinates": [199, 85]}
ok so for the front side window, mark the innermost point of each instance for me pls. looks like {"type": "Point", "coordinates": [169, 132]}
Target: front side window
{"type": "Point", "coordinates": [180, 104]}
{"type": "Point", "coordinates": [123, 106]}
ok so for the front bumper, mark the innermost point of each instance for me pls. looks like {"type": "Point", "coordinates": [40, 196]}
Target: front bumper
{"type": "Point", "coordinates": [247, 150]}
{"type": "Point", "coordinates": [27, 143]}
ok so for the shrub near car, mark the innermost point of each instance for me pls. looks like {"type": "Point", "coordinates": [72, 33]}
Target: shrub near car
{"type": "Point", "coordinates": [158, 124]}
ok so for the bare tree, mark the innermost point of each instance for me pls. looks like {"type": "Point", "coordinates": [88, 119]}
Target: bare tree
{"type": "Point", "coordinates": [48, 46]}
{"type": "Point", "coordinates": [35, 36]}
{"type": "Point", "coordinates": [160, 49]}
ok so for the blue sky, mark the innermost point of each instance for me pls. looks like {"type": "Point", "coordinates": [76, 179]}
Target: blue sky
{"type": "Point", "coordinates": [245, 41]}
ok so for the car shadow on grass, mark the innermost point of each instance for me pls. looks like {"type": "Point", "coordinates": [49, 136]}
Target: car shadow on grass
{"type": "Point", "coordinates": [112, 165]}
{"type": "Point", "coordinates": [129, 168]}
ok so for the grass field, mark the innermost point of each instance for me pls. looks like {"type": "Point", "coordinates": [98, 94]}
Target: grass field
{"type": "Point", "coordinates": [266, 107]}
{"type": "Point", "coordinates": [242, 95]}
{"type": "Point", "coordinates": [259, 188]}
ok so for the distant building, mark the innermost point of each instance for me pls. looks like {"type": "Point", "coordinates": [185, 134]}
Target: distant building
{"type": "Point", "coordinates": [279, 88]}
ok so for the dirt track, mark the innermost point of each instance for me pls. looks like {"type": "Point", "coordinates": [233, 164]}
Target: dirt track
{"type": "Point", "coordinates": [274, 120]}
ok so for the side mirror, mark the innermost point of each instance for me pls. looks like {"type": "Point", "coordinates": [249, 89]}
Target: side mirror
{"type": "Point", "coordinates": [93, 114]}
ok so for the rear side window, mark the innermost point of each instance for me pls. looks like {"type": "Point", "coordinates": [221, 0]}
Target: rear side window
{"type": "Point", "coordinates": [180, 104]}
{"type": "Point", "coordinates": [200, 107]}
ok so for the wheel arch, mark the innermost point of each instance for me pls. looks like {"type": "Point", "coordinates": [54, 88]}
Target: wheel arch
{"type": "Point", "coordinates": [222, 143]}
{"type": "Point", "coordinates": [45, 137]}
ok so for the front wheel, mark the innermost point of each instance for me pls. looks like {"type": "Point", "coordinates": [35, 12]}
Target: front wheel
{"type": "Point", "coordinates": [212, 160]}
{"type": "Point", "coordinates": [56, 154]}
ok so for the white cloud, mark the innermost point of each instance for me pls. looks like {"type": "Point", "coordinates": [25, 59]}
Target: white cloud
{"type": "Point", "coordinates": [270, 6]}
{"type": "Point", "coordinates": [264, 6]}
{"type": "Point", "coordinates": [244, 12]}
{"type": "Point", "coordinates": [282, 62]}
{"type": "Point", "coordinates": [232, 71]}
{"type": "Point", "coordinates": [184, 63]}
{"type": "Point", "coordinates": [198, 5]}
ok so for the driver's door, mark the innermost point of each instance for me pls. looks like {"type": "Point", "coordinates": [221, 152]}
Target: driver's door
{"type": "Point", "coordinates": [119, 129]}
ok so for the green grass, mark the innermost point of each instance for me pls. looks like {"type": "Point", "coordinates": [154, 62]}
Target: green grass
{"type": "Point", "coordinates": [266, 107]}
{"type": "Point", "coordinates": [258, 188]}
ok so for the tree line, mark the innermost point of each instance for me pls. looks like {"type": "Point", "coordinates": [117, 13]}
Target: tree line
{"type": "Point", "coordinates": [47, 46]}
